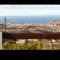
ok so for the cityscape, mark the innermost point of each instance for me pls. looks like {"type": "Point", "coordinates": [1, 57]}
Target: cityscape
{"type": "Point", "coordinates": [30, 27]}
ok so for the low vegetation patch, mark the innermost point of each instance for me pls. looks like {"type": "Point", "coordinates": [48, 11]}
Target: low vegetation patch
{"type": "Point", "coordinates": [25, 46]}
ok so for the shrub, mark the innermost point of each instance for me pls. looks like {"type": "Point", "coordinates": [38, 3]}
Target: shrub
{"type": "Point", "coordinates": [31, 45]}
{"type": "Point", "coordinates": [40, 45]}
{"type": "Point", "coordinates": [6, 45]}
{"type": "Point", "coordinates": [24, 46]}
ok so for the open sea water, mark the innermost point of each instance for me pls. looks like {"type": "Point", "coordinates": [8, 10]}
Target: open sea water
{"type": "Point", "coordinates": [29, 19]}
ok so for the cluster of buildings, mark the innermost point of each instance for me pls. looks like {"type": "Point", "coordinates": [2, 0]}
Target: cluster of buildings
{"type": "Point", "coordinates": [50, 27]}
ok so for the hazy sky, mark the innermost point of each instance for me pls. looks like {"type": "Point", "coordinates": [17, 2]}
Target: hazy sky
{"type": "Point", "coordinates": [29, 10]}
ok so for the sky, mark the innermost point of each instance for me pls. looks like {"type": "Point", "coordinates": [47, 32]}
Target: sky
{"type": "Point", "coordinates": [29, 10]}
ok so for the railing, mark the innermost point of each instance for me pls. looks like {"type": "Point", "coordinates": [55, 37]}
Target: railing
{"type": "Point", "coordinates": [42, 35]}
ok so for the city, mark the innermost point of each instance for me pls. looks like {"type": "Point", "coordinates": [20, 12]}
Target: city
{"type": "Point", "coordinates": [33, 28]}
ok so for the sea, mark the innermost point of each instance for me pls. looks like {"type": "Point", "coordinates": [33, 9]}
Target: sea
{"type": "Point", "coordinates": [29, 19]}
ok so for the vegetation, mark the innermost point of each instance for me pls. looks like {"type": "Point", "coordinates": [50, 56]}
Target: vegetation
{"type": "Point", "coordinates": [25, 46]}
{"type": "Point", "coordinates": [43, 44]}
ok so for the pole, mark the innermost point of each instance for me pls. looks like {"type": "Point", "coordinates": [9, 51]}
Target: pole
{"type": "Point", "coordinates": [5, 24]}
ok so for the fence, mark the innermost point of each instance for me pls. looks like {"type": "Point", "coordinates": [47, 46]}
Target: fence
{"type": "Point", "coordinates": [42, 35]}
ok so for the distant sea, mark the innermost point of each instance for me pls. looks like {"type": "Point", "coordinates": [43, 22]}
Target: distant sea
{"type": "Point", "coordinates": [29, 19]}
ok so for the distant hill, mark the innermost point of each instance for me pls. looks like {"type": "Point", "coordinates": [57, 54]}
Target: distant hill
{"type": "Point", "coordinates": [57, 22]}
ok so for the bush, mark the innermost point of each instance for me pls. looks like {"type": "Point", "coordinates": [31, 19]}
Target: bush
{"type": "Point", "coordinates": [31, 45]}
{"type": "Point", "coordinates": [40, 45]}
{"type": "Point", "coordinates": [6, 45]}
{"type": "Point", "coordinates": [24, 46]}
